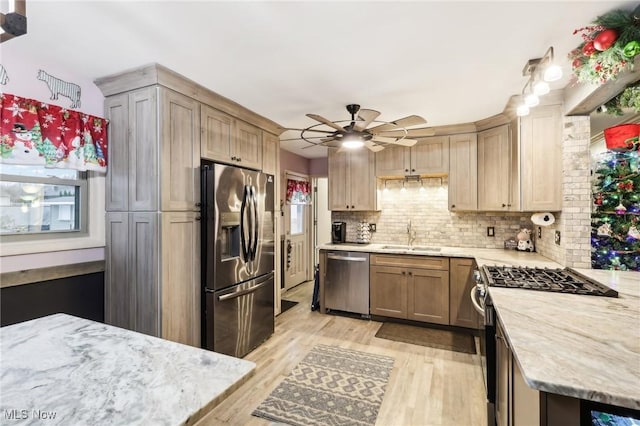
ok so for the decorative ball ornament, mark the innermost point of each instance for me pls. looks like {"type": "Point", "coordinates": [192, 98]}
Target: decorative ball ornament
{"type": "Point", "coordinates": [599, 199]}
{"type": "Point", "coordinates": [577, 63]}
{"type": "Point", "coordinates": [631, 49]}
{"type": "Point", "coordinates": [620, 209]}
{"type": "Point", "coordinates": [605, 39]}
{"type": "Point", "coordinates": [588, 49]}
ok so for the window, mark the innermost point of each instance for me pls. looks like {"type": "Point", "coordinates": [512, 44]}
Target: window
{"type": "Point", "coordinates": [36, 203]}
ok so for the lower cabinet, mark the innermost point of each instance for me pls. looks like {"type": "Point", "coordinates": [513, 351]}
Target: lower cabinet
{"type": "Point", "coordinates": [152, 274]}
{"type": "Point", "coordinates": [410, 287]}
{"type": "Point", "coordinates": [461, 311]}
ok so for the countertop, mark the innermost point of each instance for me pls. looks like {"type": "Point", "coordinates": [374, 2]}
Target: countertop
{"type": "Point", "coordinates": [76, 371]}
{"type": "Point", "coordinates": [574, 345]}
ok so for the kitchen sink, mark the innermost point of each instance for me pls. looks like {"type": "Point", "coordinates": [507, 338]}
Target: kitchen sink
{"type": "Point", "coordinates": [412, 248]}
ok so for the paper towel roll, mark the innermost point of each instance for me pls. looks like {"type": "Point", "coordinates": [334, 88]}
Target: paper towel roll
{"type": "Point", "coordinates": [543, 219]}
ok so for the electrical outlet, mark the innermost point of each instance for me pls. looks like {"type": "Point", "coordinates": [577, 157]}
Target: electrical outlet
{"type": "Point", "coordinates": [557, 238]}
{"type": "Point", "coordinates": [539, 231]}
{"type": "Point", "coordinates": [491, 231]}
{"type": "Point", "coordinates": [372, 227]}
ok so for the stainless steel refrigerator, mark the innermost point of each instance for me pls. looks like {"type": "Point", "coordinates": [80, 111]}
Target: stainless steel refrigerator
{"type": "Point", "coordinates": [237, 258]}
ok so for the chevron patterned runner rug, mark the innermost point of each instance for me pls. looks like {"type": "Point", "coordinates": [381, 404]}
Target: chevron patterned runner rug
{"type": "Point", "coordinates": [330, 386]}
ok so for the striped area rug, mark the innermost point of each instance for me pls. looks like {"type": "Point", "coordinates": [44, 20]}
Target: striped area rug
{"type": "Point", "coordinates": [330, 386]}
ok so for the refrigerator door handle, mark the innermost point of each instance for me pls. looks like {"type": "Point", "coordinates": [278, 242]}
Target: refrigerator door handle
{"type": "Point", "coordinates": [243, 240]}
{"type": "Point", "coordinates": [256, 223]}
{"type": "Point", "coordinates": [251, 289]}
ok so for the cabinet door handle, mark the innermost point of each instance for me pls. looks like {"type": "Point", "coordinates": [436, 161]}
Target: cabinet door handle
{"type": "Point", "coordinates": [238, 159]}
{"type": "Point", "coordinates": [453, 206]}
{"type": "Point", "coordinates": [198, 218]}
{"type": "Point", "coordinates": [347, 206]}
{"type": "Point", "coordinates": [404, 272]}
{"type": "Point", "coordinates": [198, 204]}
{"type": "Point", "coordinates": [508, 205]}
{"type": "Point", "coordinates": [413, 170]}
{"type": "Point", "coordinates": [504, 205]}
{"type": "Point", "coordinates": [410, 273]}
{"type": "Point", "coordinates": [406, 170]}
{"type": "Point", "coordinates": [353, 207]}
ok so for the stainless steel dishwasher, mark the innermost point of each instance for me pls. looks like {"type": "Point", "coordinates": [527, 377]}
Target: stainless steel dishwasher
{"type": "Point", "coordinates": [346, 282]}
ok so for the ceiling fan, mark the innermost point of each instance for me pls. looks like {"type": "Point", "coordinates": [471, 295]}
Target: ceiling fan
{"type": "Point", "coordinates": [357, 132]}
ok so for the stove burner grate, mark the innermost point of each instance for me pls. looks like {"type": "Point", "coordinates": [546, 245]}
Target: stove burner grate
{"type": "Point", "coordinates": [544, 279]}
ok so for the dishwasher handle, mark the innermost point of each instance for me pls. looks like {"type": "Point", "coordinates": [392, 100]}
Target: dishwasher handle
{"type": "Point", "coordinates": [476, 304]}
{"type": "Point", "coordinates": [347, 258]}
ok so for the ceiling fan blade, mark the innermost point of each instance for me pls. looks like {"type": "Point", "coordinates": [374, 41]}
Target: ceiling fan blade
{"type": "Point", "coordinates": [310, 130]}
{"type": "Point", "coordinates": [367, 116]}
{"type": "Point", "coordinates": [327, 139]}
{"type": "Point", "coordinates": [414, 133]}
{"type": "Point", "coordinates": [373, 147]}
{"type": "Point", "coordinates": [325, 121]}
{"type": "Point", "coordinates": [411, 120]}
{"type": "Point", "coordinates": [301, 139]}
{"type": "Point", "coordinates": [383, 139]}
{"type": "Point", "coordinates": [404, 142]}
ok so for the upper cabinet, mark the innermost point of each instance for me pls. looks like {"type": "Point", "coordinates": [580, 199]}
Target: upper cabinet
{"type": "Point", "coordinates": [463, 172]}
{"type": "Point", "coordinates": [496, 171]}
{"type": "Point", "coordinates": [229, 140]}
{"type": "Point", "coordinates": [429, 156]}
{"type": "Point", "coordinates": [270, 151]}
{"type": "Point", "coordinates": [352, 183]}
{"type": "Point", "coordinates": [139, 153]}
{"type": "Point", "coordinates": [541, 159]}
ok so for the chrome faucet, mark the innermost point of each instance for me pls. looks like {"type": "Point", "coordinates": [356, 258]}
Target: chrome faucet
{"type": "Point", "coordinates": [411, 234]}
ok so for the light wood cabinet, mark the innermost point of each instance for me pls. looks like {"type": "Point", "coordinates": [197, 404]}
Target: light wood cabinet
{"type": "Point", "coordinates": [429, 156]}
{"type": "Point", "coordinates": [410, 287]}
{"type": "Point", "coordinates": [388, 291]}
{"type": "Point", "coordinates": [496, 177]}
{"type": "Point", "coordinates": [428, 295]}
{"type": "Point", "coordinates": [180, 148]}
{"type": "Point", "coordinates": [463, 172]}
{"type": "Point", "coordinates": [503, 378]}
{"type": "Point", "coordinates": [131, 271]}
{"type": "Point", "coordinates": [352, 184]}
{"type": "Point", "coordinates": [180, 242]}
{"type": "Point", "coordinates": [541, 159]}
{"type": "Point", "coordinates": [132, 175]}
{"type": "Point", "coordinates": [270, 153]}
{"type": "Point", "coordinates": [229, 140]}
{"type": "Point", "coordinates": [461, 311]}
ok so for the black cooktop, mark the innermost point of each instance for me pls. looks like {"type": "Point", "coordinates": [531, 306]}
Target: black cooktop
{"type": "Point", "coordinates": [543, 279]}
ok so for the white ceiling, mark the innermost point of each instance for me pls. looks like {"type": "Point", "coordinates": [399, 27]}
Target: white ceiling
{"type": "Point", "coordinates": [450, 62]}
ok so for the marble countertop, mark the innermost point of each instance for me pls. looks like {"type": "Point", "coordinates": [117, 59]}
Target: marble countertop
{"type": "Point", "coordinates": [575, 345]}
{"type": "Point", "coordinates": [63, 370]}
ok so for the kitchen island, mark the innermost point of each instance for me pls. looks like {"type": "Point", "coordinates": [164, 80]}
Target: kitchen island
{"type": "Point", "coordinates": [583, 347]}
{"type": "Point", "coordinates": [66, 370]}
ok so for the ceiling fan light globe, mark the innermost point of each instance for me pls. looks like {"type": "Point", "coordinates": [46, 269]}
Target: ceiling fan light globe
{"type": "Point", "coordinates": [352, 143]}
{"type": "Point", "coordinates": [553, 73]}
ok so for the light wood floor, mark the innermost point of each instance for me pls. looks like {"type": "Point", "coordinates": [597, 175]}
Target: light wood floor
{"type": "Point", "coordinates": [427, 386]}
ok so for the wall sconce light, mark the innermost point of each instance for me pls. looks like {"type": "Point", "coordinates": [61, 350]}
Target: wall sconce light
{"type": "Point", "coordinates": [13, 19]}
{"type": "Point", "coordinates": [541, 71]}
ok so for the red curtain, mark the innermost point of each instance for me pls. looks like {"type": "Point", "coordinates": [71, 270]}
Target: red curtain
{"type": "Point", "coordinates": [298, 192]}
{"type": "Point", "coordinates": [33, 132]}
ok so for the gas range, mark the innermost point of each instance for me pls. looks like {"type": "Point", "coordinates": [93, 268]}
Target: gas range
{"type": "Point", "coordinates": [544, 279]}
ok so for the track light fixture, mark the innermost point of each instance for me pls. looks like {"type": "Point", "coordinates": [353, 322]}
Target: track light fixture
{"type": "Point", "coordinates": [13, 19]}
{"type": "Point", "coordinates": [541, 71]}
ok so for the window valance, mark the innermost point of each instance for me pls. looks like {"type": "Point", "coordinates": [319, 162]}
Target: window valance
{"type": "Point", "coordinates": [298, 192]}
{"type": "Point", "coordinates": [33, 132]}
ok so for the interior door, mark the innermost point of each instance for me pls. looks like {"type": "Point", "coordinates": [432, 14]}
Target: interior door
{"type": "Point", "coordinates": [297, 232]}
{"type": "Point", "coordinates": [321, 215]}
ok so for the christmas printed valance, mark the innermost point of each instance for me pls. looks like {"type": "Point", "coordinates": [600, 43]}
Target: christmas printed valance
{"type": "Point", "coordinates": [298, 192]}
{"type": "Point", "coordinates": [33, 133]}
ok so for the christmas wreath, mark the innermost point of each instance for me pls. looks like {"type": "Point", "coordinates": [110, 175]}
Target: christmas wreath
{"type": "Point", "coordinates": [628, 98]}
{"type": "Point", "coordinates": [608, 47]}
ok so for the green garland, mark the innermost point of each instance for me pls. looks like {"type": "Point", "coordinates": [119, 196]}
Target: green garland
{"type": "Point", "coordinates": [598, 67]}
{"type": "Point", "coordinates": [628, 98]}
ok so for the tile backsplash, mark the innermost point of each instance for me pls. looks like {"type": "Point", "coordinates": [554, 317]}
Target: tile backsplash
{"type": "Point", "coordinates": [425, 205]}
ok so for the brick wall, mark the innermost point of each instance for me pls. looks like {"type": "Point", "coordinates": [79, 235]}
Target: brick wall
{"type": "Point", "coordinates": [426, 207]}
{"type": "Point", "coordinates": [574, 223]}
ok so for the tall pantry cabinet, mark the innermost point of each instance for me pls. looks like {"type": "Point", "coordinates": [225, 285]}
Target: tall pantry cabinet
{"type": "Point", "coordinates": [152, 258]}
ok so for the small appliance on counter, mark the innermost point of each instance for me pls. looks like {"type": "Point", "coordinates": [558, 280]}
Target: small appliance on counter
{"type": "Point", "coordinates": [338, 232]}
